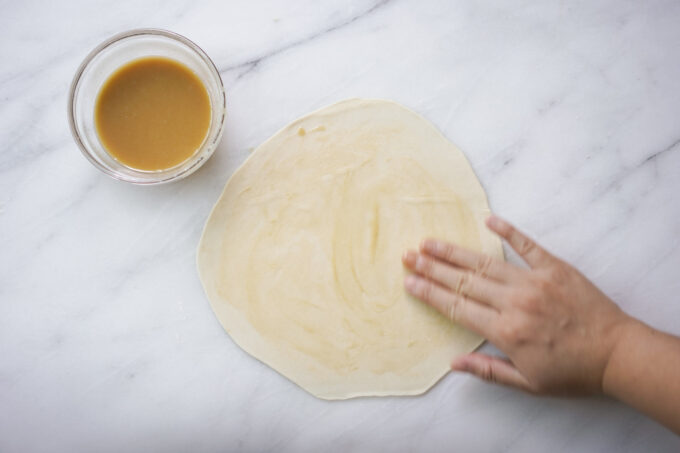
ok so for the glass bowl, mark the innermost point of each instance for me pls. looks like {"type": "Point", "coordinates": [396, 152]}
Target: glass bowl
{"type": "Point", "coordinates": [111, 55]}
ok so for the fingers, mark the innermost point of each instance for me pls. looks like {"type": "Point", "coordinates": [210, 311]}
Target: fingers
{"type": "Point", "coordinates": [460, 282]}
{"type": "Point", "coordinates": [476, 317]}
{"type": "Point", "coordinates": [492, 369]}
{"type": "Point", "coordinates": [531, 252]}
{"type": "Point", "coordinates": [481, 264]}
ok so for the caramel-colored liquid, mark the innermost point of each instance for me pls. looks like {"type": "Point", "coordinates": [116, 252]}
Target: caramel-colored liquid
{"type": "Point", "coordinates": [152, 113]}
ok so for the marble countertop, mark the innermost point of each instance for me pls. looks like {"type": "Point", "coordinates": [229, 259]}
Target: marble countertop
{"type": "Point", "coordinates": [568, 111]}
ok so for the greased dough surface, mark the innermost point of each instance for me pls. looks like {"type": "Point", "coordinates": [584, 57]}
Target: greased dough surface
{"type": "Point", "coordinates": [300, 257]}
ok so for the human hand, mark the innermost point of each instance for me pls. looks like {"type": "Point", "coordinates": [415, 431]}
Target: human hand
{"type": "Point", "coordinates": [557, 329]}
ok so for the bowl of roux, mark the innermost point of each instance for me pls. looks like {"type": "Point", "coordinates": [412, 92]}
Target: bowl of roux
{"type": "Point", "coordinates": [147, 106]}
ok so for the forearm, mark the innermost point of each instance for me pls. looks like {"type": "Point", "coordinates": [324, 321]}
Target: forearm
{"type": "Point", "coordinates": [644, 372]}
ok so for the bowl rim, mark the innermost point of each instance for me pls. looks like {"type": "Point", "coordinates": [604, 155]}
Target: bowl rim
{"type": "Point", "coordinates": [112, 40]}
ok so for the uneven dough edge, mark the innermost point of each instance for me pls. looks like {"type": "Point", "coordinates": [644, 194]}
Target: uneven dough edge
{"type": "Point", "coordinates": [259, 348]}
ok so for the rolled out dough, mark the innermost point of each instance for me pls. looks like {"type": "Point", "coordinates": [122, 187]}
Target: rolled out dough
{"type": "Point", "coordinates": [300, 257]}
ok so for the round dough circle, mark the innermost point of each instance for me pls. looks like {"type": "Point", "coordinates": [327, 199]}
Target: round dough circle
{"type": "Point", "coordinates": [300, 257]}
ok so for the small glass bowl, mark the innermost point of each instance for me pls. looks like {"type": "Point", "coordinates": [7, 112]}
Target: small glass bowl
{"type": "Point", "coordinates": [111, 55]}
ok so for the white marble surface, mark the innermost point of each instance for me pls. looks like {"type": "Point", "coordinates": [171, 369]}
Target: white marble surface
{"type": "Point", "coordinates": [568, 111]}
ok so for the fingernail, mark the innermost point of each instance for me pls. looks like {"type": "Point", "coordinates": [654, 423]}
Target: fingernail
{"type": "Point", "coordinates": [409, 257]}
{"type": "Point", "coordinates": [410, 282]}
{"type": "Point", "coordinates": [429, 245]}
{"type": "Point", "coordinates": [420, 262]}
{"type": "Point", "coordinates": [492, 220]}
{"type": "Point", "coordinates": [459, 364]}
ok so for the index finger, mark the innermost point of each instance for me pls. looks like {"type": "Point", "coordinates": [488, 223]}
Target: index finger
{"type": "Point", "coordinates": [478, 263]}
{"type": "Point", "coordinates": [532, 253]}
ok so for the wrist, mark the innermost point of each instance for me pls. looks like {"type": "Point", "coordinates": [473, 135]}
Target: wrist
{"type": "Point", "coordinates": [624, 335]}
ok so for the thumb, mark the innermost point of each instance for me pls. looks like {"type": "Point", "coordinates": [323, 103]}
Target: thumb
{"type": "Point", "coordinates": [492, 369]}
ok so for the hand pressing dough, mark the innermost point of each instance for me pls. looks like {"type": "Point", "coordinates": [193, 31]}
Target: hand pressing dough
{"type": "Point", "coordinates": [300, 257]}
